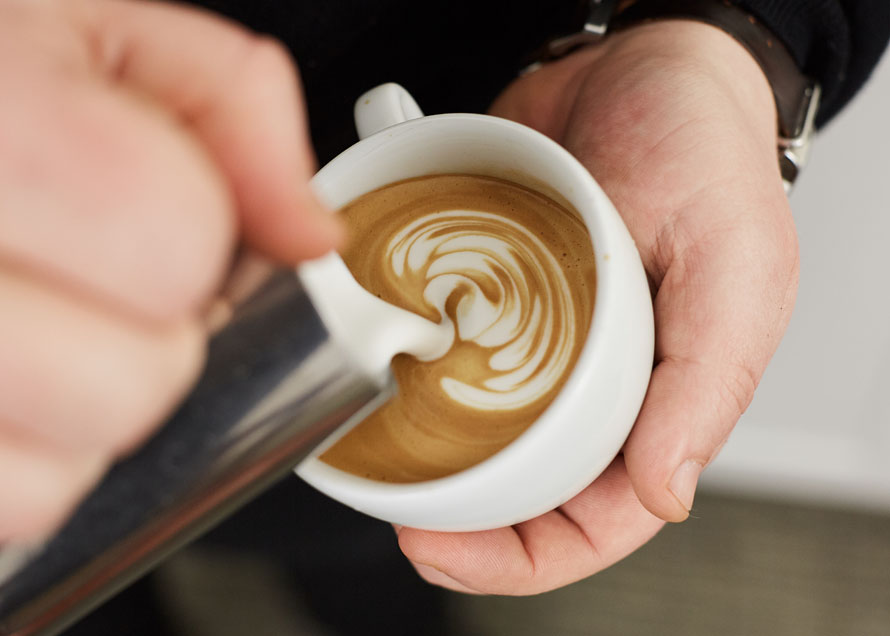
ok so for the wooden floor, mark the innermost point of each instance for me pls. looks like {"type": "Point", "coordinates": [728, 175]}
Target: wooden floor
{"type": "Point", "coordinates": [740, 568]}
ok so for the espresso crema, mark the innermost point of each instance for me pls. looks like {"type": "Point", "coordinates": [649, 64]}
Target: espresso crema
{"type": "Point", "coordinates": [512, 272]}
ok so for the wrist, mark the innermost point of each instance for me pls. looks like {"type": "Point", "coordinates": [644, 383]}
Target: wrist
{"type": "Point", "coordinates": [696, 55]}
{"type": "Point", "coordinates": [796, 96]}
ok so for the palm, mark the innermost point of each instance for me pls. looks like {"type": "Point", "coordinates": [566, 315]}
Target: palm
{"type": "Point", "coordinates": [688, 159]}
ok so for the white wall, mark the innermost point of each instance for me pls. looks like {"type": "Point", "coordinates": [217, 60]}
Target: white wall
{"type": "Point", "coordinates": [819, 426]}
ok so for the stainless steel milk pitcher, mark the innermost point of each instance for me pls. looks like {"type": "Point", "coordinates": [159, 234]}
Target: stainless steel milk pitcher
{"type": "Point", "coordinates": [274, 385]}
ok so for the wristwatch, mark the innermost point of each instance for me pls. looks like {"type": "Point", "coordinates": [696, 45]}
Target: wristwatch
{"type": "Point", "coordinates": [796, 95]}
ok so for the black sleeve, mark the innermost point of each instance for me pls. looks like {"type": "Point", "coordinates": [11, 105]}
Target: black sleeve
{"type": "Point", "coordinates": [838, 42]}
{"type": "Point", "coordinates": [460, 58]}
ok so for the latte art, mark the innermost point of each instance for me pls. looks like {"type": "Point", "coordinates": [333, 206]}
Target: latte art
{"type": "Point", "coordinates": [513, 274]}
{"type": "Point", "coordinates": [502, 289]}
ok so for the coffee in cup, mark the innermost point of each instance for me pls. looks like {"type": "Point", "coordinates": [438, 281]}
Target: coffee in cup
{"type": "Point", "coordinates": [513, 273]}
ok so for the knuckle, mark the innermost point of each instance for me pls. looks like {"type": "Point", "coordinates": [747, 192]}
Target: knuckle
{"type": "Point", "coordinates": [80, 380]}
{"type": "Point", "coordinates": [143, 219]}
{"type": "Point", "coordinates": [171, 212]}
{"type": "Point", "coordinates": [151, 392]}
{"type": "Point", "coordinates": [47, 487]}
{"type": "Point", "coordinates": [193, 252]}
{"type": "Point", "coordinates": [736, 389]}
{"type": "Point", "coordinates": [268, 58]}
{"type": "Point", "coordinates": [188, 222]}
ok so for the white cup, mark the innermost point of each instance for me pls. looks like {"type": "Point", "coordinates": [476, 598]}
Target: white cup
{"type": "Point", "coordinates": [583, 429]}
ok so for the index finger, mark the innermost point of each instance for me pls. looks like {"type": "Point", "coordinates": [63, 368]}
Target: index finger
{"type": "Point", "coordinates": [240, 94]}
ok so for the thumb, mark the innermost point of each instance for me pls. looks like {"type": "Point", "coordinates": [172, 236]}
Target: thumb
{"type": "Point", "coordinates": [720, 312]}
{"type": "Point", "coordinates": [240, 95]}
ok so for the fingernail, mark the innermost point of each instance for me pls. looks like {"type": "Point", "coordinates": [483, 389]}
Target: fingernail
{"type": "Point", "coordinates": [684, 481]}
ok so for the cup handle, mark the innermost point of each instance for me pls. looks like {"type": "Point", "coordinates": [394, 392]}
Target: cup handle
{"type": "Point", "coordinates": [384, 106]}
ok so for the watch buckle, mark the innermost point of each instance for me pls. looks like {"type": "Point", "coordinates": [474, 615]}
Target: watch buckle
{"type": "Point", "coordinates": [598, 14]}
{"type": "Point", "coordinates": [794, 148]}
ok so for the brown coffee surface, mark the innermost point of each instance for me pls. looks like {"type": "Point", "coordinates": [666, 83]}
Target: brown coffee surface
{"type": "Point", "coordinates": [513, 272]}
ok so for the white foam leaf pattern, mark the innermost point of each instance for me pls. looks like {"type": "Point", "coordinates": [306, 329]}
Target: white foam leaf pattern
{"type": "Point", "coordinates": [514, 300]}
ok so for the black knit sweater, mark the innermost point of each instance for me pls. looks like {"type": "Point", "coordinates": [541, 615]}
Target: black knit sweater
{"type": "Point", "coordinates": [456, 55]}
{"type": "Point", "coordinates": [836, 41]}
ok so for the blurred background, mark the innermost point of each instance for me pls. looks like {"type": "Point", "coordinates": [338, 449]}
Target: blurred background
{"type": "Point", "coordinates": [790, 534]}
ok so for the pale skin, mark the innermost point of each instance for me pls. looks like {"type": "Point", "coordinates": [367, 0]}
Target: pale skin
{"type": "Point", "coordinates": [144, 141]}
{"type": "Point", "coordinates": [130, 167]}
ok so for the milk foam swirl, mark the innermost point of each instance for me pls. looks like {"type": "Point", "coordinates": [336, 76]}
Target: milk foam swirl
{"type": "Point", "coordinates": [512, 272]}
{"type": "Point", "coordinates": [503, 290]}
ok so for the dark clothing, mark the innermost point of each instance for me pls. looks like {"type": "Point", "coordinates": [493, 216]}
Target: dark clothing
{"type": "Point", "coordinates": [836, 41]}
{"type": "Point", "coordinates": [456, 55]}
{"type": "Point", "coordinates": [452, 55]}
